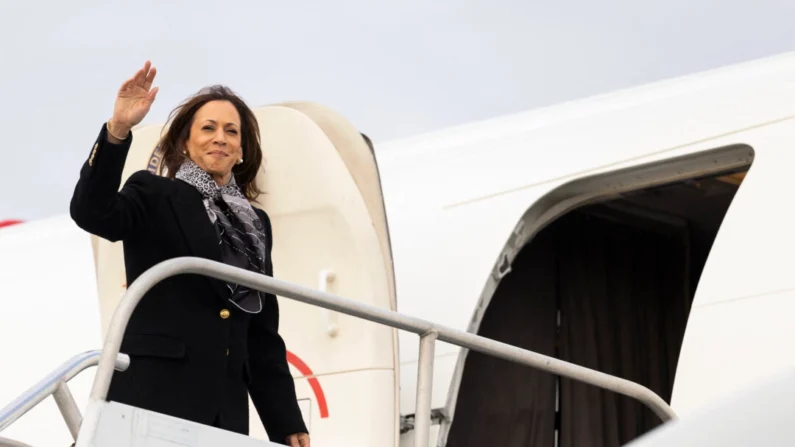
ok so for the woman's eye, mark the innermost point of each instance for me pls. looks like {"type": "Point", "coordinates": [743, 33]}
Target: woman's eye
{"type": "Point", "coordinates": [207, 128]}
{"type": "Point", "coordinates": [233, 131]}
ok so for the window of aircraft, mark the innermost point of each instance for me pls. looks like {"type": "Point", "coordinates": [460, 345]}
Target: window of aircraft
{"type": "Point", "coordinates": [607, 286]}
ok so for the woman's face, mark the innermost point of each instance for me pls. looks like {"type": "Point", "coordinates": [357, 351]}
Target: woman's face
{"type": "Point", "coordinates": [214, 140]}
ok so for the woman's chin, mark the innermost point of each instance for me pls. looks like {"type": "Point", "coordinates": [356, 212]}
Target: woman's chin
{"type": "Point", "coordinates": [217, 170]}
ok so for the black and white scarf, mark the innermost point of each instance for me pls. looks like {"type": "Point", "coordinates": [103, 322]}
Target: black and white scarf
{"type": "Point", "coordinates": [241, 234]}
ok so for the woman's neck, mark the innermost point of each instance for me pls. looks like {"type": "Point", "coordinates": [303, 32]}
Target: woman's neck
{"type": "Point", "coordinates": [221, 180]}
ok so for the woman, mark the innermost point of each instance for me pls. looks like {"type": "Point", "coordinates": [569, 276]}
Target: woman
{"type": "Point", "coordinates": [198, 346]}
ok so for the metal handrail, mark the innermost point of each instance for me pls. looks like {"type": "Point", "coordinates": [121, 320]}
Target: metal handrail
{"type": "Point", "coordinates": [429, 333]}
{"type": "Point", "coordinates": [55, 384]}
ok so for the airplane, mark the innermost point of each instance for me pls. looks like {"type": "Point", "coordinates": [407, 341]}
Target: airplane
{"type": "Point", "coordinates": [641, 233]}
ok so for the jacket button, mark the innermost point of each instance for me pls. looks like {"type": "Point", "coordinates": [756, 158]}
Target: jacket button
{"type": "Point", "coordinates": [224, 314]}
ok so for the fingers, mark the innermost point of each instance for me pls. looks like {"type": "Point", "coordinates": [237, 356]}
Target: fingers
{"type": "Point", "coordinates": [142, 78]}
{"type": "Point", "coordinates": [149, 78]}
{"type": "Point", "coordinates": [298, 440]}
{"type": "Point", "coordinates": [142, 74]}
{"type": "Point", "coordinates": [152, 94]}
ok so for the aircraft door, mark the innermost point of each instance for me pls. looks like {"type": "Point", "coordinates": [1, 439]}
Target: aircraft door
{"type": "Point", "coordinates": [323, 195]}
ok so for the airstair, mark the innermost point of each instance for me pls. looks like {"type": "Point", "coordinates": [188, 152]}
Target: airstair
{"type": "Point", "coordinates": [111, 424]}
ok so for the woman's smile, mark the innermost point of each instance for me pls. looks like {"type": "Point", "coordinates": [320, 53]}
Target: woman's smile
{"type": "Point", "coordinates": [218, 154]}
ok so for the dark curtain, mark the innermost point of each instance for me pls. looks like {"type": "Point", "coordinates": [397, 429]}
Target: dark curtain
{"type": "Point", "coordinates": [501, 403]}
{"type": "Point", "coordinates": [624, 298]}
{"type": "Point", "coordinates": [623, 293]}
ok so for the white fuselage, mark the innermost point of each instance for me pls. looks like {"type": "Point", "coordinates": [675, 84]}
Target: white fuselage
{"type": "Point", "coordinates": [454, 199]}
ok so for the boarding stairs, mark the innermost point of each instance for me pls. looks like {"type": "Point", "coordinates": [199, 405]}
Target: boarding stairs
{"type": "Point", "coordinates": [112, 424]}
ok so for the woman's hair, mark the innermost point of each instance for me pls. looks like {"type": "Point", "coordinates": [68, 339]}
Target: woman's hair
{"type": "Point", "coordinates": [172, 143]}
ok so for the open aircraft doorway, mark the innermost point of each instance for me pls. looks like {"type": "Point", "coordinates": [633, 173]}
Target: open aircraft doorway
{"type": "Point", "coordinates": [602, 273]}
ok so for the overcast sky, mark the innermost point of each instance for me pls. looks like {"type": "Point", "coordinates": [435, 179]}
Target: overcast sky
{"type": "Point", "coordinates": [394, 68]}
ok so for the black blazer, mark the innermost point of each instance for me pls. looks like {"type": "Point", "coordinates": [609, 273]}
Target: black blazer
{"type": "Point", "coordinates": [194, 354]}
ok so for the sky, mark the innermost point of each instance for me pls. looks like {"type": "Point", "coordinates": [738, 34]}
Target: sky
{"type": "Point", "coordinates": [394, 69]}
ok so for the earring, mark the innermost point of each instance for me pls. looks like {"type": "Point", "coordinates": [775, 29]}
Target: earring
{"type": "Point", "coordinates": [240, 162]}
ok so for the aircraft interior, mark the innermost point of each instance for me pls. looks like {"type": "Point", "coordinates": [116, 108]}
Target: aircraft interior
{"type": "Point", "coordinates": [607, 286]}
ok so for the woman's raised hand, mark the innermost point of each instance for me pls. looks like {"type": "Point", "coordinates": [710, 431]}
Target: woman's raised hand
{"type": "Point", "coordinates": [133, 101]}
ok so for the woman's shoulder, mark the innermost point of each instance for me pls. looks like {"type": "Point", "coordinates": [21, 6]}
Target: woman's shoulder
{"type": "Point", "coordinates": [261, 213]}
{"type": "Point", "coordinates": [152, 189]}
{"type": "Point", "coordinates": [150, 181]}
{"type": "Point", "coordinates": [263, 216]}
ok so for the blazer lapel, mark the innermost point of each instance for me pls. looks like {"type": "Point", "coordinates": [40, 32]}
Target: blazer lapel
{"type": "Point", "coordinates": [197, 229]}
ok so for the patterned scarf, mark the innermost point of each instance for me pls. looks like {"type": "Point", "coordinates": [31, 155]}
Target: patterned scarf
{"type": "Point", "coordinates": [241, 234]}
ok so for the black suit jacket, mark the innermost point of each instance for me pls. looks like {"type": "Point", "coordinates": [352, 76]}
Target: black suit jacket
{"type": "Point", "coordinates": [194, 354]}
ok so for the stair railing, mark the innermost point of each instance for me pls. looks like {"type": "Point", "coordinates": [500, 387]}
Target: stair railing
{"type": "Point", "coordinates": [429, 333]}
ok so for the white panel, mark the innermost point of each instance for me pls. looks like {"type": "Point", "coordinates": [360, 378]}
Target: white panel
{"type": "Point", "coordinates": [752, 252]}
{"type": "Point", "coordinates": [49, 314]}
{"type": "Point", "coordinates": [743, 307]}
{"type": "Point", "coordinates": [760, 415]}
{"type": "Point", "coordinates": [307, 243]}
{"type": "Point", "coordinates": [731, 345]}
{"type": "Point", "coordinates": [321, 223]}
{"type": "Point", "coordinates": [125, 426]}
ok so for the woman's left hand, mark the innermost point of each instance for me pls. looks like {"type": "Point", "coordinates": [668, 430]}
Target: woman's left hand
{"type": "Point", "coordinates": [298, 440]}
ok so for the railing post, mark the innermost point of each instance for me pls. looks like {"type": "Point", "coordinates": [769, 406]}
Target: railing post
{"type": "Point", "coordinates": [422, 411]}
{"type": "Point", "coordinates": [66, 403]}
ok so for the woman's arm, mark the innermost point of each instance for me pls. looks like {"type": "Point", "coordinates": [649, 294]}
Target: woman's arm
{"type": "Point", "coordinates": [272, 388]}
{"type": "Point", "coordinates": [97, 205]}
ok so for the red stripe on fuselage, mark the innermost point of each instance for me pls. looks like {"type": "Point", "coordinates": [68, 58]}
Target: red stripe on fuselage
{"type": "Point", "coordinates": [9, 222]}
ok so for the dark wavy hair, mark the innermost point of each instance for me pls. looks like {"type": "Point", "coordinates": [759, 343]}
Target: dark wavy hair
{"type": "Point", "coordinates": [172, 143]}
